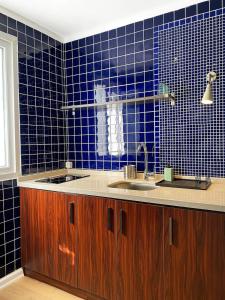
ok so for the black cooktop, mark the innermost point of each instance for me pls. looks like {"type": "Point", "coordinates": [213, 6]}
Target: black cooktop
{"type": "Point", "coordinates": [61, 179]}
{"type": "Point", "coordinates": [185, 184]}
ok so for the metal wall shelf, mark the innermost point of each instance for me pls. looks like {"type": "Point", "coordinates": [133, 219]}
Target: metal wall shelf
{"type": "Point", "coordinates": [170, 97]}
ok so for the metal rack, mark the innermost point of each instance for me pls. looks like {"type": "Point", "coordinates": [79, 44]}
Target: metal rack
{"type": "Point", "coordinates": [170, 97]}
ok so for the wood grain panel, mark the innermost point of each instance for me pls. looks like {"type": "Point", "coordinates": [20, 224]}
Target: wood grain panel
{"type": "Point", "coordinates": [181, 268]}
{"type": "Point", "coordinates": [31, 229]}
{"type": "Point", "coordinates": [96, 246]}
{"type": "Point", "coordinates": [140, 252]}
{"type": "Point", "coordinates": [195, 262]}
{"type": "Point", "coordinates": [211, 255]}
{"type": "Point", "coordinates": [48, 238]}
{"type": "Point", "coordinates": [105, 260]}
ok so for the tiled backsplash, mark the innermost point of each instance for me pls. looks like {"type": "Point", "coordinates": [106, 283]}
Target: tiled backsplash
{"type": "Point", "coordinates": [135, 61]}
{"type": "Point", "coordinates": [9, 227]}
{"type": "Point", "coordinates": [114, 65]}
{"type": "Point", "coordinates": [191, 135]}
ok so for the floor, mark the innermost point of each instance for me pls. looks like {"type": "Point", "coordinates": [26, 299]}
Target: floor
{"type": "Point", "coordinates": [29, 289]}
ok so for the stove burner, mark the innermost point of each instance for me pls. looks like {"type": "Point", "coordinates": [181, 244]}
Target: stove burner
{"type": "Point", "coordinates": [62, 179]}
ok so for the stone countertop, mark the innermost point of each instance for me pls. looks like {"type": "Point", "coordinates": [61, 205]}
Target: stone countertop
{"type": "Point", "coordinates": [97, 185]}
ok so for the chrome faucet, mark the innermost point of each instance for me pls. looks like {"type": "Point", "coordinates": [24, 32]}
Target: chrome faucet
{"type": "Point", "coordinates": [143, 145]}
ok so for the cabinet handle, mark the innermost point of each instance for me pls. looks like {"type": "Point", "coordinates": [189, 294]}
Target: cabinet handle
{"type": "Point", "coordinates": [110, 219]}
{"type": "Point", "coordinates": [170, 231]}
{"type": "Point", "coordinates": [71, 204]}
{"type": "Point", "coordinates": [121, 221]}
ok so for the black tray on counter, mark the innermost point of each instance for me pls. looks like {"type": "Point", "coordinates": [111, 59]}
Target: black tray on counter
{"type": "Point", "coordinates": [185, 184]}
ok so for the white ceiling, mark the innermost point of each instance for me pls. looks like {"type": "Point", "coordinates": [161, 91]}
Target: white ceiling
{"type": "Point", "coordinates": [69, 20]}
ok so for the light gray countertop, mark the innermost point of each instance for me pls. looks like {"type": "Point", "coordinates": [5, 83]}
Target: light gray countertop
{"type": "Point", "coordinates": [97, 185]}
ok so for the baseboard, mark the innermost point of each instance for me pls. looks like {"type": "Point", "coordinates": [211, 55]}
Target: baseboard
{"type": "Point", "coordinates": [11, 277]}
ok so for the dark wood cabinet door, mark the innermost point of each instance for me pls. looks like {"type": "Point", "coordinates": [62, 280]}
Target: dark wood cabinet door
{"type": "Point", "coordinates": [194, 254]}
{"type": "Point", "coordinates": [211, 251]}
{"type": "Point", "coordinates": [140, 252]}
{"type": "Point", "coordinates": [48, 231]}
{"type": "Point", "coordinates": [32, 251]}
{"type": "Point", "coordinates": [96, 245]}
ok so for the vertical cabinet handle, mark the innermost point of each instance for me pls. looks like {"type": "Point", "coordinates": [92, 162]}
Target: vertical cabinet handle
{"type": "Point", "coordinates": [170, 231]}
{"type": "Point", "coordinates": [122, 217]}
{"type": "Point", "coordinates": [110, 219]}
{"type": "Point", "coordinates": [71, 208]}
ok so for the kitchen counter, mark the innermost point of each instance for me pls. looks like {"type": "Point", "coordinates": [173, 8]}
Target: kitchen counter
{"type": "Point", "coordinates": [97, 185]}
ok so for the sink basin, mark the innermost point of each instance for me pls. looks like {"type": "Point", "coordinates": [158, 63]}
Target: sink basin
{"type": "Point", "coordinates": [137, 186]}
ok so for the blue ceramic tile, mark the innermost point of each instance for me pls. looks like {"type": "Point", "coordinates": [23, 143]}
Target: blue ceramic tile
{"type": "Point", "coordinates": [203, 7]}
{"type": "Point", "coordinates": [82, 42]}
{"type": "Point", "coordinates": [139, 26]}
{"type": "Point", "coordinates": [130, 40]}
{"type": "Point", "coordinates": [8, 191]}
{"type": "Point", "coordinates": [89, 41]}
{"type": "Point", "coordinates": [11, 23]}
{"type": "Point", "coordinates": [191, 11]}
{"type": "Point", "coordinates": [3, 19]}
{"type": "Point", "coordinates": [218, 12]}
{"type": "Point", "coordinates": [148, 23]}
{"type": "Point", "coordinates": [158, 20]}
{"type": "Point", "coordinates": [68, 46]}
{"type": "Point", "coordinates": [97, 38]}
{"type": "Point", "coordinates": [104, 36]}
{"type": "Point", "coordinates": [74, 44]}
{"type": "Point", "coordinates": [112, 34]}
{"type": "Point", "coordinates": [121, 31]}
{"type": "Point", "coordinates": [180, 14]}
{"type": "Point", "coordinates": [130, 29]}
{"type": "Point", "coordinates": [200, 17]}
{"type": "Point", "coordinates": [139, 36]}
{"type": "Point", "coordinates": [215, 4]}
{"type": "Point", "coordinates": [3, 28]}
{"type": "Point", "coordinates": [169, 17]}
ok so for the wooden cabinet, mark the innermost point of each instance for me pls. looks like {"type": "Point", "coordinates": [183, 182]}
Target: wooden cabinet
{"type": "Point", "coordinates": [139, 251]}
{"type": "Point", "coordinates": [120, 249]}
{"type": "Point", "coordinates": [100, 248]}
{"type": "Point", "coordinates": [96, 246]}
{"type": "Point", "coordinates": [48, 230]}
{"type": "Point", "coordinates": [211, 253]}
{"type": "Point", "coordinates": [194, 254]}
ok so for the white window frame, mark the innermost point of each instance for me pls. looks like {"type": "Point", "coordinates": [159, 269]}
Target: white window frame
{"type": "Point", "coordinates": [11, 106]}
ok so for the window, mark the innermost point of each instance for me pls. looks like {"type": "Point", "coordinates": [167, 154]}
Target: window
{"type": "Point", "coordinates": [8, 106]}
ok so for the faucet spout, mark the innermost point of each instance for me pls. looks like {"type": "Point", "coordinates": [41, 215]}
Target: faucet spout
{"type": "Point", "coordinates": [143, 145]}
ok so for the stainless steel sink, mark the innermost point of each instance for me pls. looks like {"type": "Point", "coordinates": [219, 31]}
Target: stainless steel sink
{"type": "Point", "coordinates": [137, 186]}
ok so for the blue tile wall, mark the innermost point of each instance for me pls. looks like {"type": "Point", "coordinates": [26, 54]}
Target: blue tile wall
{"type": "Point", "coordinates": [41, 94]}
{"type": "Point", "coordinates": [191, 135]}
{"type": "Point", "coordinates": [120, 64]}
{"type": "Point", "coordinates": [42, 125]}
{"type": "Point", "coordinates": [125, 63]}
{"type": "Point", "coordinates": [9, 227]}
